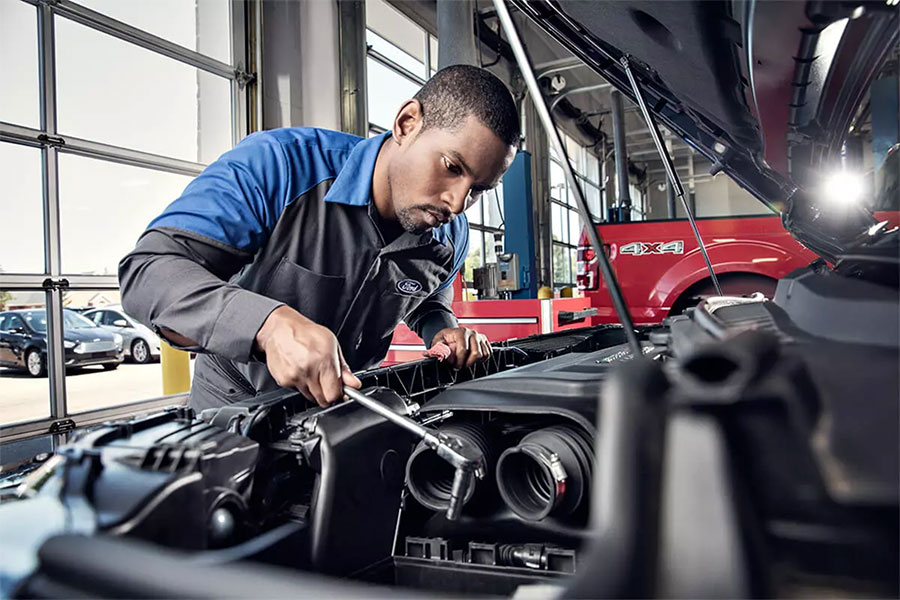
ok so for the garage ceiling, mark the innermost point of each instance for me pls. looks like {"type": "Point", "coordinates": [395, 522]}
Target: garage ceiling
{"type": "Point", "coordinates": [583, 88]}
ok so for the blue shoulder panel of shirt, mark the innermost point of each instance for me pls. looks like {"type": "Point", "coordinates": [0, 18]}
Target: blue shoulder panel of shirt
{"type": "Point", "coordinates": [238, 199]}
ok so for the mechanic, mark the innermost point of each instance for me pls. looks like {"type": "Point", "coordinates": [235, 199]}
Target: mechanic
{"type": "Point", "coordinates": [291, 259]}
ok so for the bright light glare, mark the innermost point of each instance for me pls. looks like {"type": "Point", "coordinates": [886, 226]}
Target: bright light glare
{"type": "Point", "coordinates": [843, 187]}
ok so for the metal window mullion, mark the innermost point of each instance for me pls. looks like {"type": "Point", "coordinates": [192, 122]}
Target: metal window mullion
{"type": "Point", "coordinates": [381, 58]}
{"type": "Point", "coordinates": [18, 134]}
{"type": "Point", "coordinates": [53, 296]}
{"type": "Point", "coordinates": [91, 282]}
{"type": "Point", "coordinates": [126, 156]}
{"type": "Point", "coordinates": [138, 37]}
{"type": "Point", "coordinates": [240, 94]}
{"type": "Point", "coordinates": [253, 28]}
{"type": "Point", "coordinates": [483, 216]}
{"type": "Point", "coordinates": [587, 181]}
{"type": "Point", "coordinates": [427, 55]}
{"type": "Point", "coordinates": [580, 176]}
{"type": "Point", "coordinates": [72, 145]}
{"type": "Point", "coordinates": [15, 281]}
{"type": "Point", "coordinates": [50, 201]}
{"type": "Point", "coordinates": [47, 69]}
{"type": "Point", "coordinates": [56, 370]}
{"type": "Point", "coordinates": [50, 197]}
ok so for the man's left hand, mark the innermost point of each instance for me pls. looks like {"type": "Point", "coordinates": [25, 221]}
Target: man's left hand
{"type": "Point", "coordinates": [466, 345]}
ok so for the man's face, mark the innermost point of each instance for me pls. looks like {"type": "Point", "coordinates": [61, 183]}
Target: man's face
{"type": "Point", "coordinates": [437, 173]}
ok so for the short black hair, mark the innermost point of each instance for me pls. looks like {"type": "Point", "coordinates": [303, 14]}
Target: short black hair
{"type": "Point", "coordinates": [457, 91]}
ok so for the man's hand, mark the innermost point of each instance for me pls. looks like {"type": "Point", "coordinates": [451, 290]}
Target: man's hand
{"type": "Point", "coordinates": [467, 346]}
{"type": "Point", "coordinates": [304, 355]}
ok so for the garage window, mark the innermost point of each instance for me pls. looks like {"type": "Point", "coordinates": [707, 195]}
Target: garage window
{"type": "Point", "coordinates": [565, 223]}
{"type": "Point", "coordinates": [22, 242]}
{"type": "Point", "coordinates": [401, 56]}
{"type": "Point", "coordinates": [109, 109]}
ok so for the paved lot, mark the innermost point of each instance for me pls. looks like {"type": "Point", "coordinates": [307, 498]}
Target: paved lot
{"type": "Point", "coordinates": [23, 398]}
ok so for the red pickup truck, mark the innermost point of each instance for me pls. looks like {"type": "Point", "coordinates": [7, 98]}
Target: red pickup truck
{"type": "Point", "coordinates": [662, 271]}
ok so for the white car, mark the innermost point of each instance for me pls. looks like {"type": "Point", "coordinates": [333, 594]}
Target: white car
{"type": "Point", "coordinates": [140, 342]}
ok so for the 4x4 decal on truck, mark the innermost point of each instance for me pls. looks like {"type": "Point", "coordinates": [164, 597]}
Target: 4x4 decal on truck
{"type": "Point", "coordinates": [644, 248]}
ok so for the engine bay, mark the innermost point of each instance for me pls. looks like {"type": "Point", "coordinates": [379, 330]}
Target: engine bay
{"type": "Point", "coordinates": [752, 451]}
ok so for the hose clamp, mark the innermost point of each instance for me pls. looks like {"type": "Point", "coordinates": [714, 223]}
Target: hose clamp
{"type": "Point", "coordinates": [553, 463]}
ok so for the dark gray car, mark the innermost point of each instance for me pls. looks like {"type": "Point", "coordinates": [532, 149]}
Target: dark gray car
{"type": "Point", "coordinates": [23, 342]}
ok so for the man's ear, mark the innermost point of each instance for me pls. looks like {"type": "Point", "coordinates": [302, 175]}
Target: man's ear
{"type": "Point", "coordinates": [408, 121]}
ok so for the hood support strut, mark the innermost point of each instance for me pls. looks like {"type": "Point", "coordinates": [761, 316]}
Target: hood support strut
{"type": "Point", "coordinates": [540, 105]}
{"type": "Point", "coordinates": [669, 166]}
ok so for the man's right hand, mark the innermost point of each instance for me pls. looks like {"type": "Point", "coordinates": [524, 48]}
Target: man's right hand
{"type": "Point", "coordinates": [304, 355]}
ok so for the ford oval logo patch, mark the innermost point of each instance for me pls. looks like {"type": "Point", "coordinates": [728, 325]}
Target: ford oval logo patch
{"type": "Point", "coordinates": [408, 286]}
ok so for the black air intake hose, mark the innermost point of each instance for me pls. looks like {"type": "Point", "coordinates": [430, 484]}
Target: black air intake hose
{"type": "Point", "coordinates": [549, 472]}
{"type": "Point", "coordinates": [430, 478]}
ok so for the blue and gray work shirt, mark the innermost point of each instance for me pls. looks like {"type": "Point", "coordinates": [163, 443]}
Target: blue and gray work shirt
{"type": "Point", "coordinates": [287, 217]}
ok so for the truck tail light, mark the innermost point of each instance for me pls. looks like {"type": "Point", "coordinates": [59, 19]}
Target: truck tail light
{"type": "Point", "coordinates": [587, 272]}
{"type": "Point", "coordinates": [587, 269]}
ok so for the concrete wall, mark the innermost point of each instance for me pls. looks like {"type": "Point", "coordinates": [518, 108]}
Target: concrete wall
{"type": "Point", "coordinates": [300, 64]}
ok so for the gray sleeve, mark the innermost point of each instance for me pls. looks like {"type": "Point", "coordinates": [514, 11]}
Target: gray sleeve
{"type": "Point", "coordinates": [177, 280]}
{"type": "Point", "coordinates": [434, 314]}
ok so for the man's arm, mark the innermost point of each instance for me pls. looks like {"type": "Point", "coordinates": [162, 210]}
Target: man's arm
{"type": "Point", "coordinates": [435, 323]}
{"type": "Point", "coordinates": [175, 280]}
{"type": "Point", "coordinates": [433, 315]}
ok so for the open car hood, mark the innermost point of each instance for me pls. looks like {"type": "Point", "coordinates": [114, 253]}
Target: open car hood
{"type": "Point", "coordinates": [764, 90]}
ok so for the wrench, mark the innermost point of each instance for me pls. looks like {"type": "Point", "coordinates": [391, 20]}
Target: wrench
{"type": "Point", "coordinates": [464, 457]}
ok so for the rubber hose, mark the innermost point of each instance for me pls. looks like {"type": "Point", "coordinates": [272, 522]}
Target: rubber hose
{"type": "Point", "coordinates": [529, 483]}
{"type": "Point", "coordinates": [430, 478]}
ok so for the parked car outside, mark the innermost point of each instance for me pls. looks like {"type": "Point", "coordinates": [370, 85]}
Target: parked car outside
{"type": "Point", "coordinates": [141, 344]}
{"type": "Point", "coordinates": [23, 342]}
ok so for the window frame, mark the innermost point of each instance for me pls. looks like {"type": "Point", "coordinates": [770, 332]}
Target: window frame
{"type": "Point", "coordinates": [567, 204]}
{"type": "Point", "coordinates": [52, 281]}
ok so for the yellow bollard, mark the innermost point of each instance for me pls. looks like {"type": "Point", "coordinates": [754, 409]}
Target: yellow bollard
{"type": "Point", "coordinates": [545, 293]}
{"type": "Point", "coordinates": [176, 370]}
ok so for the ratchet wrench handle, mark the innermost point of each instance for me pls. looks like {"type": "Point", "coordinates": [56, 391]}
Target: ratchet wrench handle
{"type": "Point", "coordinates": [464, 457]}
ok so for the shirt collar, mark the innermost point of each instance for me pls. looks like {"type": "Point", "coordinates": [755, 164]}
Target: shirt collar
{"type": "Point", "coordinates": [353, 184]}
